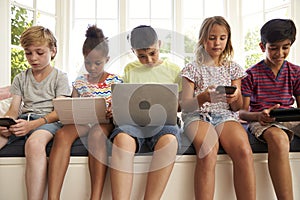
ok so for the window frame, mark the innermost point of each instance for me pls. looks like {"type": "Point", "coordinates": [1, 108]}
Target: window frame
{"type": "Point", "coordinates": [64, 23]}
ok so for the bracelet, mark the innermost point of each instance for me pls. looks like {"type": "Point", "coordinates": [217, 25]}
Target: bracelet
{"type": "Point", "coordinates": [45, 119]}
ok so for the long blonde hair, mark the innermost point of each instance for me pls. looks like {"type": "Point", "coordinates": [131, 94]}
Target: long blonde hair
{"type": "Point", "coordinates": [201, 56]}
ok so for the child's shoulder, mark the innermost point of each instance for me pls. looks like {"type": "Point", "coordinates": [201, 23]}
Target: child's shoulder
{"type": "Point", "coordinates": [170, 64]}
{"type": "Point", "coordinates": [256, 67]}
{"type": "Point", "coordinates": [134, 63]}
{"type": "Point", "coordinates": [114, 77]}
{"type": "Point", "coordinates": [23, 74]}
{"type": "Point", "coordinates": [292, 66]}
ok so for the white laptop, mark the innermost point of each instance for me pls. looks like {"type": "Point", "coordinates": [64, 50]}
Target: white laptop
{"type": "Point", "coordinates": [148, 104]}
{"type": "Point", "coordinates": [81, 110]}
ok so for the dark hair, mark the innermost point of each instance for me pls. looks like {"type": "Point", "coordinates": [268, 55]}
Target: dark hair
{"type": "Point", "coordinates": [142, 37]}
{"type": "Point", "coordinates": [277, 30]}
{"type": "Point", "coordinates": [95, 39]}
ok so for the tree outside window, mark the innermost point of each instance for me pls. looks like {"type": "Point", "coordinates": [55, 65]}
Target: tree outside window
{"type": "Point", "coordinates": [20, 21]}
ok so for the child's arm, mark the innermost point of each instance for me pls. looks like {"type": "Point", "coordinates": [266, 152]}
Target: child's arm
{"type": "Point", "coordinates": [262, 117]}
{"type": "Point", "coordinates": [24, 126]}
{"type": "Point", "coordinates": [298, 101]}
{"type": "Point", "coordinates": [12, 112]}
{"type": "Point", "coordinates": [244, 112]}
{"type": "Point", "coordinates": [14, 108]}
{"type": "Point", "coordinates": [235, 100]}
{"type": "Point", "coordinates": [179, 100]}
{"type": "Point", "coordinates": [190, 103]}
{"type": "Point", "coordinates": [74, 93]}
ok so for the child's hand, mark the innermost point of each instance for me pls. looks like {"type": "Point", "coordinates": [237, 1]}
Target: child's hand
{"type": "Point", "coordinates": [233, 97]}
{"type": "Point", "coordinates": [21, 128]}
{"type": "Point", "coordinates": [109, 112]}
{"type": "Point", "coordinates": [4, 131]}
{"type": "Point", "coordinates": [213, 96]}
{"type": "Point", "coordinates": [264, 116]}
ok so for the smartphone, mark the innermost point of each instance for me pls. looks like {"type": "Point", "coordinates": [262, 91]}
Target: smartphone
{"type": "Point", "coordinates": [7, 122]}
{"type": "Point", "coordinates": [226, 89]}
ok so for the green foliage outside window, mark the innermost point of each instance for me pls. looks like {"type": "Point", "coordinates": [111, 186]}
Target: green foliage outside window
{"type": "Point", "coordinates": [251, 48]}
{"type": "Point", "coordinates": [19, 22]}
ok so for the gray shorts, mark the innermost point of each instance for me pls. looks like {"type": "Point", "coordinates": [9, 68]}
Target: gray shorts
{"type": "Point", "coordinates": [290, 128]}
{"type": "Point", "coordinates": [147, 135]}
{"type": "Point", "coordinates": [51, 127]}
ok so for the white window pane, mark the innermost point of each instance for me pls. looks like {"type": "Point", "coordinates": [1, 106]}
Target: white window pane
{"type": "Point", "coordinates": [47, 21]}
{"type": "Point", "coordinates": [275, 3]}
{"type": "Point", "coordinates": [192, 8]}
{"type": "Point", "coordinates": [109, 27]}
{"type": "Point", "coordinates": [107, 9]}
{"type": "Point", "coordinates": [191, 31]}
{"type": "Point", "coordinates": [76, 41]}
{"type": "Point", "coordinates": [136, 22]}
{"type": "Point", "coordinates": [46, 5]}
{"type": "Point", "coordinates": [281, 13]}
{"type": "Point", "coordinates": [25, 2]}
{"type": "Point", "coordinates": [139, 9]}
{"type": "Point", "coordinates": [252, 25]}
{"type": "Point", "coordinates": [161, 9]}
{"type": "Point", "coordinates": [250, 7]}
{"type": "Point", "coordinates": [84, 8]}
{"type": "Point", "coordinates": [118, 55]}
{"type": "Point", "coordinates": [163, 24]}
{"type": "Point", "coordinates": [214, 7]}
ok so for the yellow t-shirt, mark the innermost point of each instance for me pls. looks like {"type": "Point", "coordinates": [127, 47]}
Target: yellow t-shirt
{"type": "Point", "coordinates": [166, 72]}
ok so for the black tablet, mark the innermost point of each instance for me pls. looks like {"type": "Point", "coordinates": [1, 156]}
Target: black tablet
{"type": "Point", "coordinates": [226, 89]}
{"type": "Point", "coordinates": [7, 122]}
{"type": "Point", "coordinates": [286, 115]}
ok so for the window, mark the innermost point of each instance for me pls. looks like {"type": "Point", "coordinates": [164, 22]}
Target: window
{"type": "Point", "coordinates": [176, 21]}
{"type": "Point", "coordinates": [103, 13]}
{"type": "Point", "coordinates": [193, 14]}
{"type": "Point", "coordinates": [25, 13]}
{"type": "Point", "coordinates": [261, 11]}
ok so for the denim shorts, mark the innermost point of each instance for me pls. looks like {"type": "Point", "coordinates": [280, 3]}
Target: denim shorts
{"type": "Point", "coordinates": [213, 118]}
{"type": "Point", "coordinates": [147, 135]}
{"type": "Point", "coordinates": [51, 127]}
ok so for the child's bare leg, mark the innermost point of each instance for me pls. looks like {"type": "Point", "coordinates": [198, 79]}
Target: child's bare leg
{"type": "Point", "coordinates": [205, 141]}
{"type": "Point", "coordinates": [98, 158]}
{"type": "Point", "coordinates": [121, 171]}
{"type": "Point", "coordinates": [234, 140]}
{"type": "Point", "coordinates": [279, 163]}
{"type": "Point", "coordinates": [161, 166]}
{"type": "Point", "coordinates": [3, 141]}
{"type": "Point", "coordinates": [60, 157]}
{"type": "Point", "coordinates": [36, 164]}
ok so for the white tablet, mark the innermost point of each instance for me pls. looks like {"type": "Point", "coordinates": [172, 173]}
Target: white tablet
{"type": "Point", "coordinates": [81, 110]}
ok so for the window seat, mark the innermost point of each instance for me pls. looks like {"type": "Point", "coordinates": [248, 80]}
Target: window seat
{"type": "Point", "coordinates": [16, 149]}
{"type": "Point", "coordinates": [77, 181]}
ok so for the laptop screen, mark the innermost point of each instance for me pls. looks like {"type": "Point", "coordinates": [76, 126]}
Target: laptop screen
{"type": "Point", "coordinates": [142, 105]}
